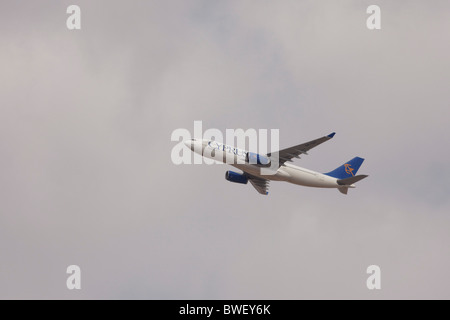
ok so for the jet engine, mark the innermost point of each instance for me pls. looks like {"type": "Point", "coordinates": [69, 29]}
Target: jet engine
{"type": "Point", "coordinates": [254, 158]}
{"type": "Point", "coordinates": [236, 177]}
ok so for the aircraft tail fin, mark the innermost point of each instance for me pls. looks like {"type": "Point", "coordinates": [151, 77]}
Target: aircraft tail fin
{"type": "Point", "coordinates": [347, 170]}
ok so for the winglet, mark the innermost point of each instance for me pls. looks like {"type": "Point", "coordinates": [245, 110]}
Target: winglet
{"type": "Point", "coordinates": [331, 135]}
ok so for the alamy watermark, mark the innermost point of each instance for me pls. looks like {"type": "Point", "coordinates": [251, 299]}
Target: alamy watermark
{"type": "Point", "coordinates": [74, 280]}
{"type": "Point", "coordinates": [374, 20]}
{"type": "Point", "coordinates": [374, 280]}
{"type": "Point", "coordinates": [240, 147]}
{"type": "Point", "coordinates": [73, 22]}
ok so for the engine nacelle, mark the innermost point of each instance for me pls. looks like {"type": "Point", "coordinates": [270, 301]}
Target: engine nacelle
{"type": "Point", "coordinates": [236, 177]}
{"type": "Point", "coordinates": [254, 158]}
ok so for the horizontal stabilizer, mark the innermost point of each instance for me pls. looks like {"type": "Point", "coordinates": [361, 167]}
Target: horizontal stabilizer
{"type": "Point", "coordinates": [351, 180]}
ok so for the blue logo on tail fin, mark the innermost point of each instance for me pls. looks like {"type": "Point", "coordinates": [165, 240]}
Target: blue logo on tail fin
{"type": "Point", "coordinates": [347, 170]}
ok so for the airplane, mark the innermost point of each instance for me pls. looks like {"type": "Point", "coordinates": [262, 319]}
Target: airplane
{"type": "Point", "coordinates": [341, 178]}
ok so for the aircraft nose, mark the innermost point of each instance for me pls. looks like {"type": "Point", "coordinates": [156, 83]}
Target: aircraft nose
{"type": "Point", "coordinates": [188, 143]}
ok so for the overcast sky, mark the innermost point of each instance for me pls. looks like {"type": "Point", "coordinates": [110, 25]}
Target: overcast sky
{"type": "Point", "coordinates": [86, 176]}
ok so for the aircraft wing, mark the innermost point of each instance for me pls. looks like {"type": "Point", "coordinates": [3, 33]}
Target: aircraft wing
{"type": "Point", "coordinates": [261, 185]}
{"type": "Point", "coordinates": [294, 152]}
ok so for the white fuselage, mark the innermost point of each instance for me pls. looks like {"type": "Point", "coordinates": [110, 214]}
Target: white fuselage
{"type": "Point", "coordinates": [286, 172]}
